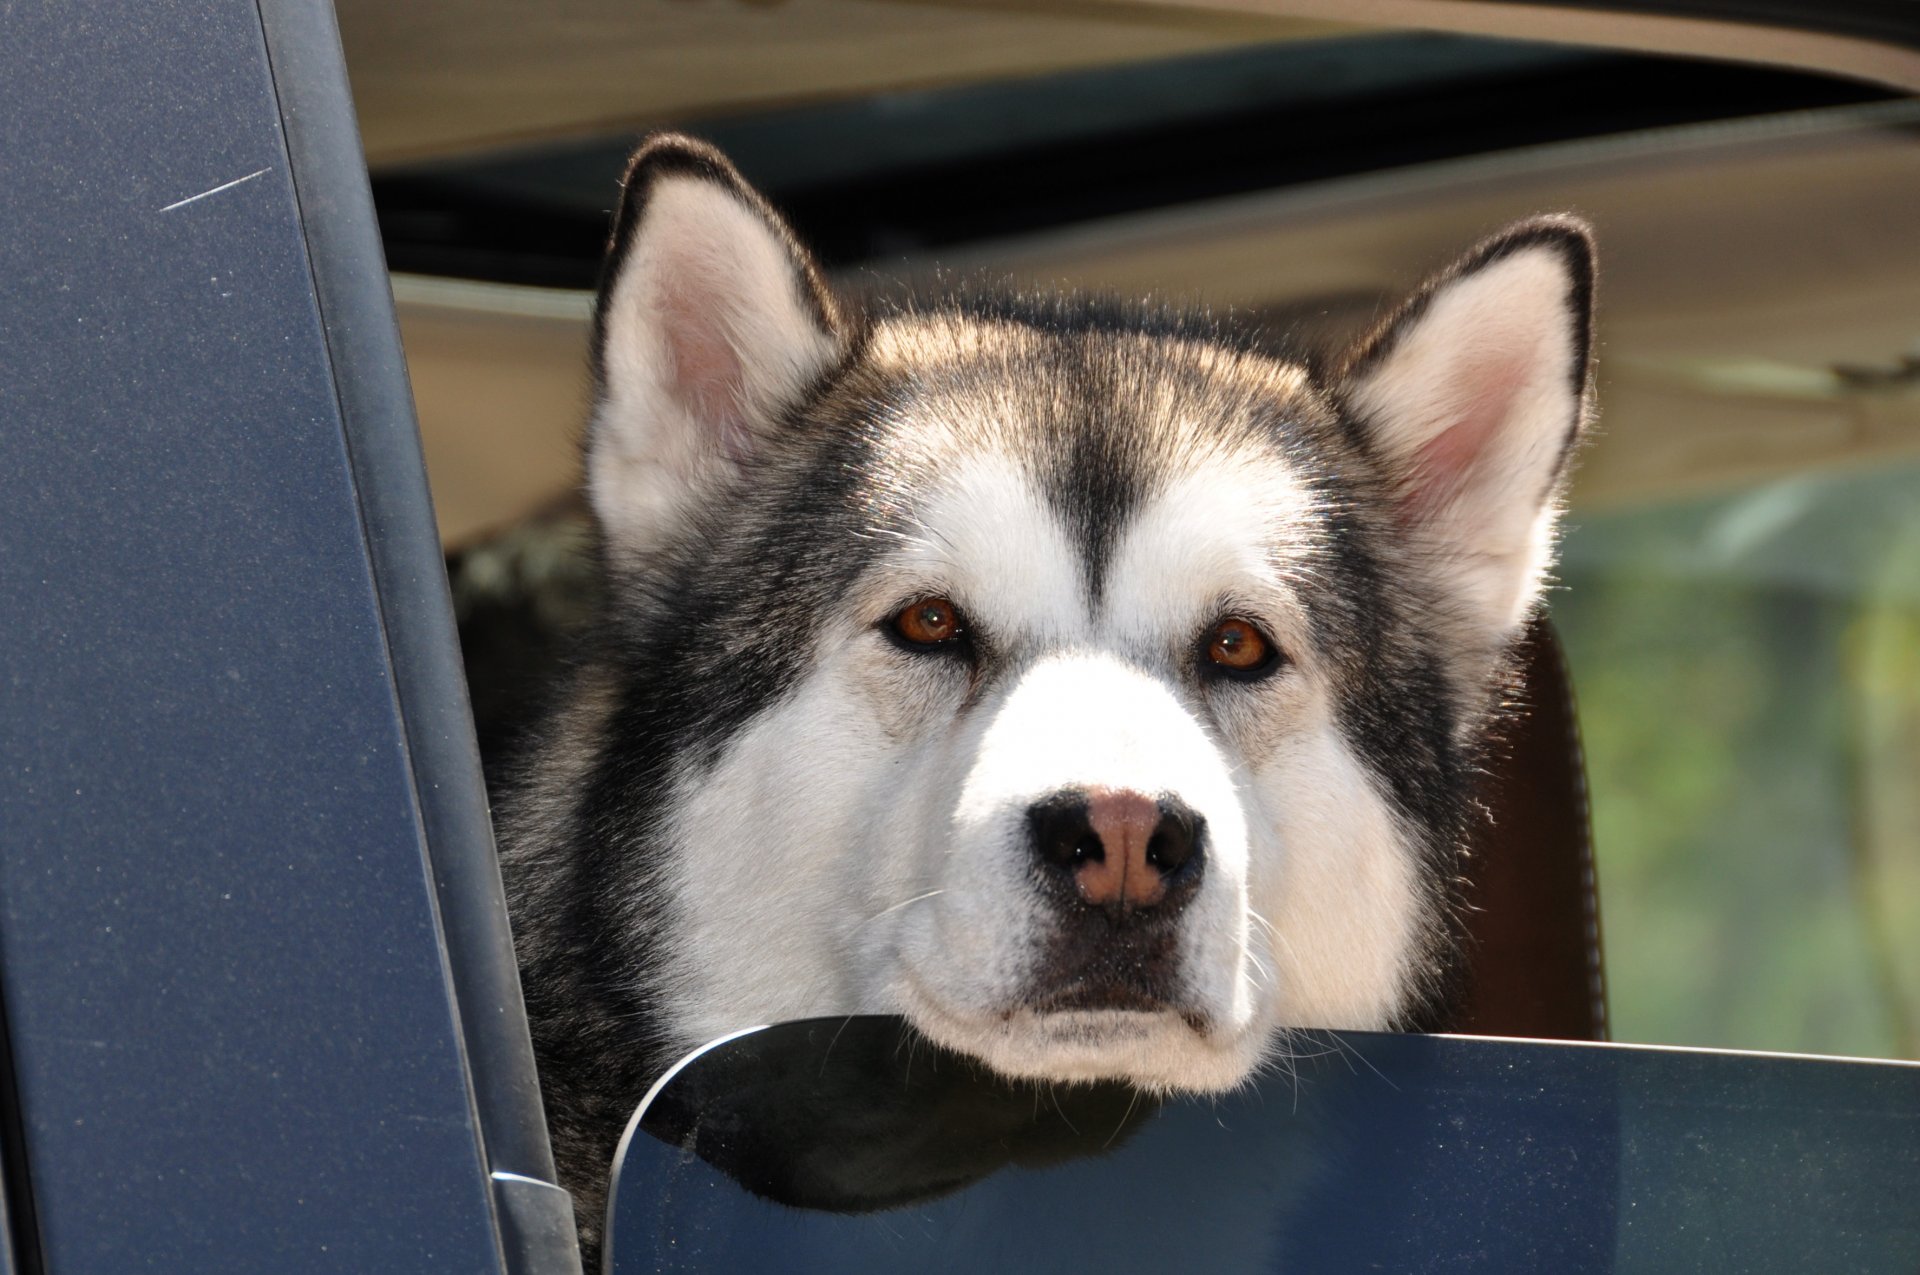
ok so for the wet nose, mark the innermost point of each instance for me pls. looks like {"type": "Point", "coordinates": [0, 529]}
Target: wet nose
{"type": "Point", "coordinates": [1122, 851]}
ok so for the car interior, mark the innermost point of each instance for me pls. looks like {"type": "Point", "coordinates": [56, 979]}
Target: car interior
{"type": "Point", "coordinates": [1740, 593]}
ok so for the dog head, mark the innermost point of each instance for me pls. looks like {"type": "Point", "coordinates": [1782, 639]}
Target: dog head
{"type": "Point", "coordinates": [1092, 689]}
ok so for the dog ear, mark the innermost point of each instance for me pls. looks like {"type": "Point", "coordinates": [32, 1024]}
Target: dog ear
{"type": "Point", "coordinates": [712, 323]}
{"type": "Point", "coordinates": [1474, 397]}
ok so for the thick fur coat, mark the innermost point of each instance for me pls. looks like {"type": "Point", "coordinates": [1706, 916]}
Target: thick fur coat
{"type": "Point", "coordinates": [1098, 692]}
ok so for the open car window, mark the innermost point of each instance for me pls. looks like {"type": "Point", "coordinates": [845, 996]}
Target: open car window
{"type": "Point", "coordinates": [1739, 598]}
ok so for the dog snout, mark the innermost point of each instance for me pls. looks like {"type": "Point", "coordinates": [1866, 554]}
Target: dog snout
{"type": "Point", "coordinates": [1120, 851]}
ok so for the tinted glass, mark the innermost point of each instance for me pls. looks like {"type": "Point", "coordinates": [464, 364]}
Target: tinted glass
{"type": "Point", "coordinates": [849, 1145]}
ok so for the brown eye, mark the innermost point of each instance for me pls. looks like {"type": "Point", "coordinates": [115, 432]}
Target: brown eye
{"type": "Point", "coordinates": [928, 622]}
{"type": "Point", "coordinates": [1237, 646]}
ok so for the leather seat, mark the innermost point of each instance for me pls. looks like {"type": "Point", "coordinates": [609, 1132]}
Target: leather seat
{"type": "Point", "coordinates": [1533, 919]}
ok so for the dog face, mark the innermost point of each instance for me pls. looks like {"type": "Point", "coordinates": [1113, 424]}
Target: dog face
{"type": "Point", "coordinates": [1097, 693]}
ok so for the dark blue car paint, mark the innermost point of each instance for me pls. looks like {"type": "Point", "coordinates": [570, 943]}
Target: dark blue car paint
{"type": "Point", "coordinates": [259, 1009]}
{"type": "Point", "coordinates": [229, 887]}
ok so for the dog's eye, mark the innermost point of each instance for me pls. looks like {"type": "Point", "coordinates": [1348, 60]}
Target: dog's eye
{"type": "Point", "coordinates": [1238, 647]}
{"type": "Point", "coordinates": [927, 623]}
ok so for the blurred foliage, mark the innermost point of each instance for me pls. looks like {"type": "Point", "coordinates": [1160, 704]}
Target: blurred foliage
{"type": "Point", "coordinates": [1748, 670]}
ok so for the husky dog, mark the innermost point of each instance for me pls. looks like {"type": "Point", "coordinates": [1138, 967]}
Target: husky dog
{"type": "Point", "coordinates": [1094, 690]}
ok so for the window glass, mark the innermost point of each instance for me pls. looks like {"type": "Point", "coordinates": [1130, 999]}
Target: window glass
{"type": "Point", "coordinates": [1748, 670]}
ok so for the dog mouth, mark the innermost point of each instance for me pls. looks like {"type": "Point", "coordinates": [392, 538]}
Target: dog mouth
{"type": "Point", "coordinates": [1085, 984]}
{"type": "Point", "coordinates": [1096, 995]}
{"type": "Point", "coordinates": [1090, 1031]}
{"type": "Point", "coordinates": [1083, 1008]}
{"type": "Point", "coordinates": [1089, 963]}
{"type": "Point", "coordinates": [1111, 995]}
{"type": "Point", "coordinates": [1129, 1021]}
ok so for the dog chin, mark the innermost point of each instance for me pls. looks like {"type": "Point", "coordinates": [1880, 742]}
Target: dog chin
{"type": "Point", "coordinates": [1158, 1050]}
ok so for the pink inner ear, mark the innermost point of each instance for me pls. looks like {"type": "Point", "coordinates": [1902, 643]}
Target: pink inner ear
{"type": "Point", "coordinates": [1444, 466]}
{"type": "Point", "coordinates": [707, 373]}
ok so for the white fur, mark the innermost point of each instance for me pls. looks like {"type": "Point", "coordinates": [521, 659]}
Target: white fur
{"type": "Point", "coordinates": [1340, 890]}
{"type": "Point", "coordinates": [1474, 404]}
{"type": "Point", "coordinates": [766, 915]}
{"type": "Point", "coordinates": [1078, 717]}
{"type": "Point", "coordinates": [1332, 877]}
{"type": "Point", "coordinates": [898, 876]}
{"type": "Point", "coordinates": [710, 336]}
{"type": "Point", "coordinates": [900, 880]}
{"type": "Point", "coordinates": [1229, 532]}
{"type": "Point", "coordinates": [987, 540]}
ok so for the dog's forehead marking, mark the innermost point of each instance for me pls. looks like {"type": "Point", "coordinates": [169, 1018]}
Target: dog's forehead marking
{"type": "Point", "coordinates": [1050, 449]}
{"type": "Point", "coordinates": [1232, 527]}
{"type": "Point", "coordinates": [929, 345]}
{"type": "Point", "coordinates": [986, 532]}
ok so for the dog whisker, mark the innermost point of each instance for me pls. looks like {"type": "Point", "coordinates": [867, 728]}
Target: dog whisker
{"type": "Point", "coordinates": [918, 898]}
{"type": "Point", "coordinates": [1054, 1097]}
{"type": "Point", "coordinates": [1280, 939]}
{"type": "Point", "coordinates": [830, 1044]}
{"type": "Point", "coordinates": [1132, 1102]}
{"type": "Point", "coordinates": [1261, 968]}
{"type": "Point", "coordinates": [1348, 1047]}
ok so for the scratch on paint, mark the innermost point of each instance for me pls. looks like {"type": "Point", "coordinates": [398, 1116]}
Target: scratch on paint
{"type": "Point", "coordinates": [181, 203]}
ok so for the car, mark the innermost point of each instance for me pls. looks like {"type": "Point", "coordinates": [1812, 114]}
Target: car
{"type": "Point", "coordinates": [260, 1006]}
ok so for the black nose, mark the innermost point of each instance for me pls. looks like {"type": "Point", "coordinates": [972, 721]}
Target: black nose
{"type": "Point", "coordinates": [1116, 849]}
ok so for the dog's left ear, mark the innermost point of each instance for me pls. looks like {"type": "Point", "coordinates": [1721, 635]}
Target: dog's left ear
{"type": "Point", "coordinates": [712, 323]}
{"type": "Point", "coordinates": [1474, 398]}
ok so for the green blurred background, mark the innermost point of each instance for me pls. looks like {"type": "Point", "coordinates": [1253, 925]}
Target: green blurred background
{"type": "Point", "coordinates": [1748, 670]}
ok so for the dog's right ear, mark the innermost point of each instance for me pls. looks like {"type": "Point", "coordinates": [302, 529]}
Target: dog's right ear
{"type": "Point", "coordinates": [712, 323]}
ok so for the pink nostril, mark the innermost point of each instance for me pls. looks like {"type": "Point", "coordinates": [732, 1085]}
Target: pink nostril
{"type": "Point", "coordinates": [1121, 850]}
{"type": "Point", "coordinates": [1125, 822]}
